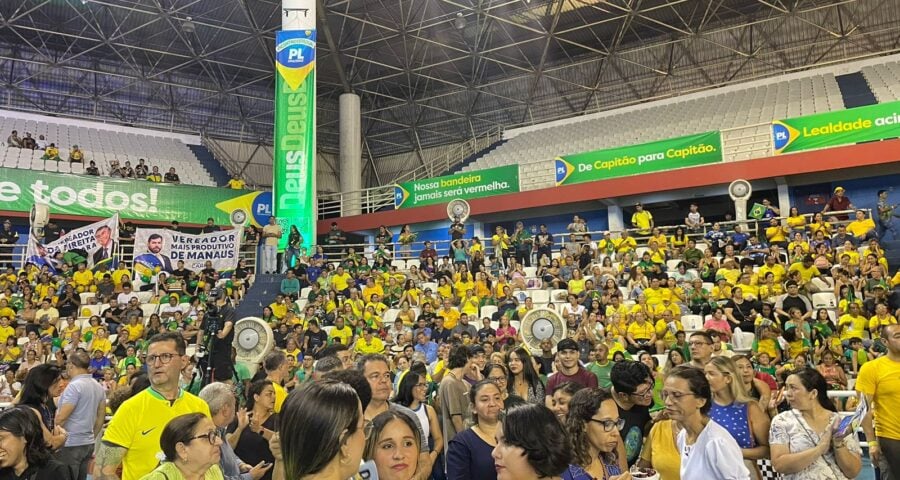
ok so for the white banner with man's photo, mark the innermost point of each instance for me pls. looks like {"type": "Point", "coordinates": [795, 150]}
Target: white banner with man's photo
{"type": "Point", "coordinates": [159, 250]}
{"type": "Point", "coordinates": [94, 244]}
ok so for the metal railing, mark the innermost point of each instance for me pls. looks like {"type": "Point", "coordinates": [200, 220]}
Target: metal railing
{"type": "Point", "coordinates": [331, 205]}
{"type": "Point", "coordinates": [397, 251]}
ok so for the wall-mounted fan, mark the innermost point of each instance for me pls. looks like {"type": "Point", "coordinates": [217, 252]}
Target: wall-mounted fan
{"type": "Point", "coordinates": [542, 324]}
{"type": "Point", "coordinates": [458, 210]}
{"type": "Point", "coordinates": [253, 340]}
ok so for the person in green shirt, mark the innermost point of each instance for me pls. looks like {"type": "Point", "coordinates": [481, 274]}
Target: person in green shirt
{"type": "Point", "coordinates": [601, 366]}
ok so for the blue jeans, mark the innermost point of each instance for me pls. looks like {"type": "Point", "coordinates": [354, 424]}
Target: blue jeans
{"type": "Point", "coordinates": [289, 254]}
{"type": "Point", "coordinates": [882, 227]}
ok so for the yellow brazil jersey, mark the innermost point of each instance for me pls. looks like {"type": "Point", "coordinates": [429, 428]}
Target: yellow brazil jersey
{"type": "Point", "coordinates": [859, 228]}
{"type": "Point", "coordinates": [576, 286]}
{"type": "Point", "coordinates": [365, 348]}
{"type": "Point", "coordinates": [118, 274]}
{"type": "Point", "coordinates": [83, 278]}
{"type": "Point", "coordinates": [664, 332]}
{"type": "Point", "coordinates": [749, 291]}
{"type": "Point", "coordinates": [654, 296]}
{"type": "Point", "coordinates": [876, 323]}
{"type": "Point", "coordinates": [369, 291]}
{"type": "Point", "coordinates": [768, 346]}
{"type": "Point", "coordinates": [138, 424]}
{"type": "Point", "coordinates": [855, 326]}
{"type": "Point", "coordinates": [621, 310]}
{"type": "Point", "coordinates": [825, 227]}
{"type": "Point", "coordinates": [5, 333]}
{"type": "Point", "coordinates": [673, 307]}
{"type": "Point", "coordinates": [775, 234]}
{"type": "Point", "coordinates": [445, 291]}
{"type": "Point", "coordinates": [880, 378]}
{"type": "Point", "coordinates": [796, 222]}
{"type": "Point", "coordinates": [624, 245]}
{"type": "Point", "coordinates": [450, 317]}
{"type": "Point", "coordinates": [470, 305]}
{"type": "Point", "coordinates": [660, 240]}
{"type": "Point", "coordinates": [341, 282]}
{"type": "Point", "coordinates": [102, 344]}
{"type": "Point", "coordinates": [731, 274]}
{"type": "Point", "coordinates": [280, 396]}
{"type": "Point", "coordinates": [134, 331]}
{"type": "Point", "coordinates": [777, 270]}
{"type": "Point", "coordinates": [641, 332]}
{"type": "Point", "coordinates": [806, 274]}
{"type": "Point", "coordinates": [802, 244]}
{"type": "Point", "coordinates": [278, 309]}
{"type": "Point", "coordinates": [500, 241]}
{"type": "Point", "coordinates": [342, 334]}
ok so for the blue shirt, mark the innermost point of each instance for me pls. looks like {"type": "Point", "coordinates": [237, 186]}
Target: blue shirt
{"type": "Point", "coordinates": [430, 350]}
{"type": "Point", "coordinates": [85, 394]}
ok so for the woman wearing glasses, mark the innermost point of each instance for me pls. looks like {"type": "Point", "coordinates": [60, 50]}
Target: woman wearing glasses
{"type": "Point", "coordinates": [594, 424]}
{"type": "Point", "coordinates": [412, 393]}
{"type": "Point", "coordinates": [250, 438]}
{"type": "Point", "coordinates": [707, 449]}
{"type": "Point", "coordinates": [191, 445]}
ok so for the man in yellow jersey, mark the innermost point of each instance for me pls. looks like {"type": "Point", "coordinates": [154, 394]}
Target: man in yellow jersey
{"type": "Point", "coordinates": [132, 438]}
{"type": "Point", "coordinates": [642, 220]}
{"type": "Point", "coordinates": [862, 228]}
{"type": "Point", "coordinates": [879, 381]}
{"type": "Point", "coordinates": [449, 313]}
{"type": "Point", "coordinates": [277, 370]}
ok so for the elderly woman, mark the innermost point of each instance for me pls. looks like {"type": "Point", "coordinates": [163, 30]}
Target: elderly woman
{"type": "Point", "coordinates": [803, 441]}
{"type": "Point", "coordinates": [191, 446]}
{"type": "Point", "coordinates": [707, 449]}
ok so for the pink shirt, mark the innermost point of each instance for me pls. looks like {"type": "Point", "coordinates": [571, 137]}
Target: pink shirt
{"type": "Point", "coordinates": [719, 325]}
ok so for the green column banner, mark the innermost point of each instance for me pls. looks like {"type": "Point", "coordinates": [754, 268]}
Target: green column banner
{"type": "Point", "coordinates": [688, 151]}
{"type": "Point", "coordinates": [89, 196]}
{"type": "Point", "coordinates": [294, 187]}
{"type": "Point", "coordinates": [481, 183]}
{"type": "Point", "coordinates": [854, 125]}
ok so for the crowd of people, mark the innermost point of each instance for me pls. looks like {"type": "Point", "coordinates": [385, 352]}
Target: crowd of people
{"type": "Point", "coordinates": [423, 372]}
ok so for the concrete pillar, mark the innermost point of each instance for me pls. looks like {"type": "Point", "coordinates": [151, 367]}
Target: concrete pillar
{"type": "Point", "coordinates": [350, 154]}
{"type": "Point", "coordinates": [784, 196]}
{"type": "Point", "coordinates": [614, 216]}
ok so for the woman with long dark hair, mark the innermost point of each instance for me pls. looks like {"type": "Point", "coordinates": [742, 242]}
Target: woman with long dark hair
{"type": "Point", "coordinates": [413, 394]}
{"type": "Point", "coordinates": [803, 441]}
{"type": "Point", "coordinates": [322, 432]}
{"type": "Point", "coordinates": [25, 454]}
{"type": "Point", "coordinates": [524, 380]}
{"type": "Point", "coordinates": [251, 441]}
{"type": "Point", "coordinates": [40, 386]}
{"type": "Point", "coordinates": [531, 445]}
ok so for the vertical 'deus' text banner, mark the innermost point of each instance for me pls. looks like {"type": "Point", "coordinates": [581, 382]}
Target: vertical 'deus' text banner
{"type": "Point", "coordinates": [294, 182]}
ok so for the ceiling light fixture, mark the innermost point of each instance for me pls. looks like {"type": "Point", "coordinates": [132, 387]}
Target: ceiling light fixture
{"type": "Point", "coordinates": [460, 21]}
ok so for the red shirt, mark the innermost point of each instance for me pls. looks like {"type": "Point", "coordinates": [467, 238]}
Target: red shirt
{"type": "Point", "coordinates": [581, 377]}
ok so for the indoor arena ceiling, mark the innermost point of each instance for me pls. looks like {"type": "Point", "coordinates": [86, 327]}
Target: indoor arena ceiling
{"type": "Point", "coordinates": [429, 72]}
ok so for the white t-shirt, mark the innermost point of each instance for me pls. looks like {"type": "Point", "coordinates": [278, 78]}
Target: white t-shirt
{"type": "Point", "coordinates": [715, 455]}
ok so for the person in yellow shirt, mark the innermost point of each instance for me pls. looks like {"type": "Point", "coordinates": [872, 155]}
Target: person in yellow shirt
{"type": "Point", "coordinates": [798, 241]}
{"type": "Point", "coordinates": [5, 330]}
{"type": "Point", "coordinates": [807, 272]}
{"type": "Point", "coordinates": [119, 273]}
{"type": "Point", "coordinates": [340, 281]}
{"type": "Point", "coordinates": [666, 328]}
{"type": "Point", "coordinates": [776, 269]}
{"type": "Point", "coordinates": [642, 220]}
{"type": "Point", "coordinates": [796, 221]}
{"type": "Point", "coordinates": [369, 343]}
{"type": "Point", "coordinates": [659, 238]}
{"type": "Point", "coordinates": [5, 310]}
{"type": "Point", "coordinates": [342, 333]}
{"type": "Point", "coordinates": [852, 324]}
{"type": "Point", "coordinates": [625, 244]}
{"type": "Point", "coordinates": [641, 334]}
{"type": "Point", "coordinates": [862, 228]}
{"type": "Point", "coordinates": [84, 279]}
{"type": "Point", "coordinates": [449, 314]}
{"type": "Point", "coordinates": [877, 380]}
{"type": "Point", "coordinates": [236, 183]}
{"type": "Point", "coordinates": [101, 342]}
{"type": "Point", "coordinates": [654, 293]}
{"type": "Point", "coordinates": [135, 329]}
{"type": "Point", "coordinates": [500, 240]}
{"type": "Point", "coordinates": [279, 307]}
{"type": "Point", "coordinates": [882, 318]}
{"type": "Point", "coordinates": [372, 288]}
{"type": "Point", "coordinates": [776, 234]}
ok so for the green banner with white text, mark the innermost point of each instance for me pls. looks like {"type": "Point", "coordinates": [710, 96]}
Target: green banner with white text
{"type": "Point", "coordinates": [89, 196]}
{"type": "Point", "coordinates": [688, 151]}
{"type": "Point", "coordinates": [843, 127]}
{"type": "Point", "coordinates": [294, 172]}
{"type": "Point", "coordinates": [477, 184]}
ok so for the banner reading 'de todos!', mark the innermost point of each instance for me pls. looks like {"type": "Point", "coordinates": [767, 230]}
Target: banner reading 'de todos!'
{"type": "Point", "coordinates": [687, 151]}
{"type": "Point", "coordinates": [93, 244]}
{"type": "Point", "coordinates": [477, 184]}
{"type": "Point", "coordinates": [843, 127]}
{"type": "Point", "coordinates": [157, 250]}
{"type": "Point", "coordinates": [89, 196]}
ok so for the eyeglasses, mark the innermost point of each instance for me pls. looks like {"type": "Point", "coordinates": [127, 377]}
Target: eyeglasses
{"type": "Point", "coordinates": [675, 396]}
{"type": "Point", "coordinates": [210, 436]}
{"type": "Point", "coordinates": [163, 358]}
{"type": "Point", "coordinates": [609, 425]}
{"type": "Point", "coordinates": [646, 393]}
{"type": "Point", "coordinates": [698, 344]}
{"type": "Point", "coordinates": [497, 379]}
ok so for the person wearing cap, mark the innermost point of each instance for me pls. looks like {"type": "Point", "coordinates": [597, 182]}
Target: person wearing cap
{"type": "Point", "coordinates": [838, 202]}
{"type": "Point", "coordinates": [568, 369]}
{"type": "Point", "coordinates": [642, 220]}
{"type": "Point", "coordinates": [862, 228]}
